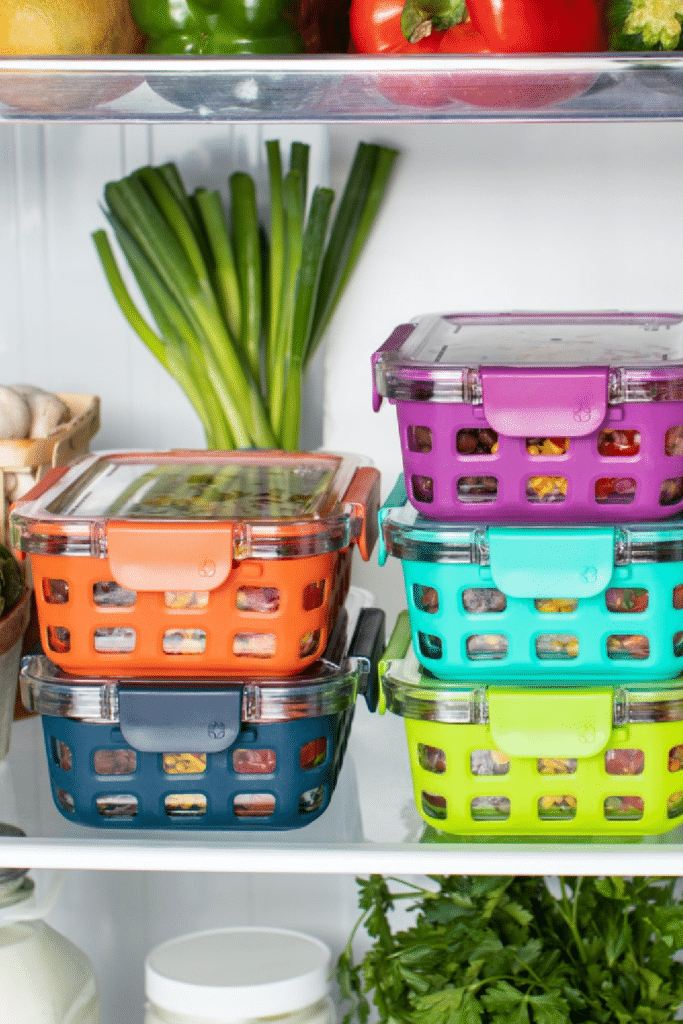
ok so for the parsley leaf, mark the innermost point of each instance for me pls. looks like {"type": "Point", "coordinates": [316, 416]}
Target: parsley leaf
{"type": "Point", "coordinates": [516, 950]}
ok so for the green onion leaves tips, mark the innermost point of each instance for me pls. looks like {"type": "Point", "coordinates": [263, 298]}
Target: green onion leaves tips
{"type": "Point", "coordinates": [240, 308]}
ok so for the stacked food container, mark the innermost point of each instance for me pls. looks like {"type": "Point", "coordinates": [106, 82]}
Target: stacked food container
{"type": "Point", "coordinates": [538, 666]}
{"type": "Point", "coordinates": [195, 616]}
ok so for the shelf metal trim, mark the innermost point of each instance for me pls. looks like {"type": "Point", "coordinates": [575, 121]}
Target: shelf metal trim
{"type": "Point", "coordinates": [314, 64]}
{"type": "Point", "coordinates": [124, 854]}
{"type": "Point", "coordinates": [344, 87]}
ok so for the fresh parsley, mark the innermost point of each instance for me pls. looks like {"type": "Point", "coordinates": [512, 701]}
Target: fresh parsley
{"type": "Point", "coordinates": [517, 950]}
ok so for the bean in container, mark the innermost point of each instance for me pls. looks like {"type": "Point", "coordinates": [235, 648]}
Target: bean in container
{"type": "Point", "coordinates": [547, 417]}
{"type": "Point", "coordinates": [521, 601]}
{"type": "Point", "coordinates": [541, 761]}
{"type": "Point", "coordinates": [194, 563]}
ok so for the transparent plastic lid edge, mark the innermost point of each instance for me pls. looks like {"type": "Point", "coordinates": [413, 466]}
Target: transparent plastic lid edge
{"type": "Point", "coordinates": [428, 359]}
{"type": "Point", "coordinates": [408, 535]}
{"type": "Point", "coordinates": [410, 691]}
{"type": "Point", "coordinates": [55, 522]}
{"type": "Point", "coordinates": [328, 690]}
{"type": "Point", "coordinates": [467, 703]}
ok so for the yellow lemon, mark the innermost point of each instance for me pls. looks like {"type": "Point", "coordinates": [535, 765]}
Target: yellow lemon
{"type": "Point", "coordinates": [60, 27]}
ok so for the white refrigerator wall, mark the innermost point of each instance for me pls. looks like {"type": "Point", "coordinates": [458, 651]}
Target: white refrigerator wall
{"type": "Point", "coordinates": [478, 217]}
{"type": "Point", "coordinates": [497, 217]}
{"type": "Point", "coordinates": [60, 326]}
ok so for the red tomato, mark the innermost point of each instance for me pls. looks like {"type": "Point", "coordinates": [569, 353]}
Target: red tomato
{"type": "Point", "coordinates": [539, 26]}
{"type": "Point", "coordinates": [618, 451]}
{"type": "Point", "coordinates": [621, 443]}
{"type": "Point", "coordinates": [605, 488]}
{"type": "Point", "coordinates": [640, 603]}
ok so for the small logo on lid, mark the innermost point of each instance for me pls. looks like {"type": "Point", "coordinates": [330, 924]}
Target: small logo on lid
{"type": "Point", "coordinates": [582, 412]}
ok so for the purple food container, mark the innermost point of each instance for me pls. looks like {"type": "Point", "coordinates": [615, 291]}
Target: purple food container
{"type": "Point", "coordinates": [538, 417]}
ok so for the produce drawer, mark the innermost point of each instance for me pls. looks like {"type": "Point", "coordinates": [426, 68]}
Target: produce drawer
{"type": "Point", "coordinates": [549, 418]}
{"type": "Point", "coordinates": [195, 563]}
{"type": "Point", "coordinates": [553, 761]}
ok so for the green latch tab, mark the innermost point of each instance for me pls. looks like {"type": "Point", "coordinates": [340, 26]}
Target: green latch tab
{"type": "Point", "coordinates": [554, 723]}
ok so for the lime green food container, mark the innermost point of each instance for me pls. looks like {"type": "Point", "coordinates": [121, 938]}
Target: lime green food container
{"type": "Point", "coordinates": [538, 760]}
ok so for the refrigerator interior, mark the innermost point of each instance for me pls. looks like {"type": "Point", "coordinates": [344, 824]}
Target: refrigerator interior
{"type": "Point", "coordinates": [477, 217]}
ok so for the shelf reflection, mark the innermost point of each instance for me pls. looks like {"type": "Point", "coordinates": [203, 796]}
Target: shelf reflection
{"type": "Point", "coordinates": [371, 825]}
{"type": "Point", "coordinates": [337, 88]}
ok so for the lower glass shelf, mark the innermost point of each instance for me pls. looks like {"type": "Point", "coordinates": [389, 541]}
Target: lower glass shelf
{"type": "Point", "coordinates": [456, 87]}
{"type": "Point", "coordinates": [371, 825]}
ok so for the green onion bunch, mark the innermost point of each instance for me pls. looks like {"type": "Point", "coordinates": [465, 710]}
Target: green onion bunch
{"type": "Point", "coordinates": [240, 308]}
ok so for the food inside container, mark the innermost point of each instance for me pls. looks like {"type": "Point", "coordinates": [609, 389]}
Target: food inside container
{"type": "Point", "coordinates": [230, 754]}
{"type": "Point", "coordinates": [537, 761]}
{"type": "Point", "coordinates": [195, 563]}
{"type": "Point", "coordinates": [572, 602]}
{"type": "Point", "coordinates": [538, 416]}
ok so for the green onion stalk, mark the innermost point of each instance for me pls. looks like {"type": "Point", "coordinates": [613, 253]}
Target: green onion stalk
{"type": "Point", "coordinates": [238, 309]}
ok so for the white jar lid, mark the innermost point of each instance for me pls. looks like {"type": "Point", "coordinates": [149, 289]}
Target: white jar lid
{"type": "Point", "coordinates": [235, 974]}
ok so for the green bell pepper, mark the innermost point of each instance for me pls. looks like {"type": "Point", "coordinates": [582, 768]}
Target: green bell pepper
{"type": "Point", "coordinates": [216, 27]}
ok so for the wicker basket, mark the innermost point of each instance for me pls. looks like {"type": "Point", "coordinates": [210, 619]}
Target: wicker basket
{"type": "Point", "coordinates": [37, 455]}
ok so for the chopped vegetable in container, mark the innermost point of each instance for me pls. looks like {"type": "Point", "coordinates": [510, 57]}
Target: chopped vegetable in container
{"type": "Point", "coordinates": [537, 760]}
{"type": "Point", "coordinates": [227, 754]}
{"type": "Point", "coordinates": [569, 602]}
{"type": "Point", "coordinates": [195, 563]}
{"type": "Point", "coordinates": [540, 417]}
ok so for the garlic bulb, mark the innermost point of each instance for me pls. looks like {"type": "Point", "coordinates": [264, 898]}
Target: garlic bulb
{"type": "Point", "coordinates": [15, 414]}
{"type": "Point", "coordinates": [47, 411]}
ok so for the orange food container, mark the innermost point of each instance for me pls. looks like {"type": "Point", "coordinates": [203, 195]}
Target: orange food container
{"type": "Point", "coordinates": [194, 563]}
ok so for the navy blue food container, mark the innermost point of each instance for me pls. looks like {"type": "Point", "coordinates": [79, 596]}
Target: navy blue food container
{"type": "Point", "coordinates": [242, 755]}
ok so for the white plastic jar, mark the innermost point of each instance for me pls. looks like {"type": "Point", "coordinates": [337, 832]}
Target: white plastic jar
{"type": "Point", "coordinates": [43, 976]}
{"type": "Point", "coordinates": [239, 976]}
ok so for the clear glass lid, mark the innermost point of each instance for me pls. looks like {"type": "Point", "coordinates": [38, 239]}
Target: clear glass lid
{"type": "Point", "coordinates": [406, 534]}
{"type": "Point", "coordinates": [323, 689]}
{"type": "Point", "coordinates": [410, 691]}
{"type": "Point", "coordinates": [330, 685]}
{"type": "Point", "coordinates": [441, 357]}
{"type": "Point", "coordinates": [272, 503]}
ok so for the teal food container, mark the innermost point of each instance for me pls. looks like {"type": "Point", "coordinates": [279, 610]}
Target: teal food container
{"type": "Point", "coordinates": [571, 603]}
